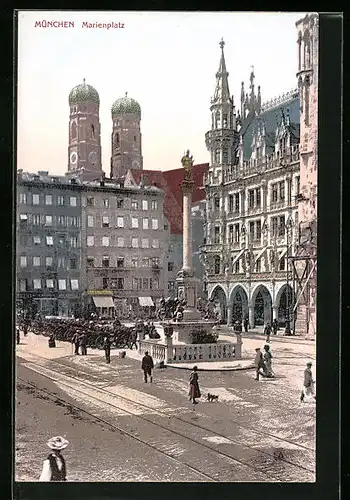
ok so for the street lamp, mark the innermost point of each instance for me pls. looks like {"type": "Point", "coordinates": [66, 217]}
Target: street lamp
{"type": "Point", "coordinates": [289, 226]}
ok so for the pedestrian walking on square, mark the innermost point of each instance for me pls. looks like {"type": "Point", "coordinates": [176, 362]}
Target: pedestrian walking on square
{"type": "Point", "coordinates": [194, 391]}
{"type": "Point", "coordinates": [107, 348]}
{"type": "Point", "coordinates": [147, 366]}
{"type": "Point", "coordinates": [25, 328]}
{"type": "Point", "coordinates": [267, 331]}
{"type": "Point", "coordinates": [309, 383]}
{"type": "Point", "coordinates": [133, 337]}
{"type": "Point", "coordinates": [246, 324]}
{"type": "Point", "coordinates": [54, 467]}
{"type": "Point", "coordinates": [268, 362]}
{"type": "Point", "coordinates": [17, 335]}
{"type": "Point", "coordinates": [82, 344]}
{"type": "Point", "coordinates": [275, 326]}
{"type": "Point", "coordinates": [259, 363]}
{"type": "Point", "coordinates": [75, 341]}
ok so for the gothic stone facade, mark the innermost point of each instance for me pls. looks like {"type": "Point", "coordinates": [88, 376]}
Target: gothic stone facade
{"type": "Point", "coordinates": [252, 190]}
{"type": "Point", "coordinates": [306, 252]}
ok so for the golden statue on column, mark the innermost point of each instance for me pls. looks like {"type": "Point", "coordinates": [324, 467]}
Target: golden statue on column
{"type": "Point", "coordinates": [187, 163]}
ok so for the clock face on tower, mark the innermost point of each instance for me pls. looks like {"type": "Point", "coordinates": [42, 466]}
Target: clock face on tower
{"type": "Point", "coordinates": [73, 158]}
{"type": "Point", "coordinates": [93, 158]}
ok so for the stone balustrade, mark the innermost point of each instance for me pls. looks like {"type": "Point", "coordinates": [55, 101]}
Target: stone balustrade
{"type": "Point", "coordinates": [191, 353]}
{"type": "Point", "coordinates": [203, 352]}
{"type": "Point", "coordinates": [156, 350]}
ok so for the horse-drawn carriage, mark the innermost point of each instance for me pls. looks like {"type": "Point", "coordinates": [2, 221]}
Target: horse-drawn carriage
{"type": "Point", "coordinates": [64, 329]}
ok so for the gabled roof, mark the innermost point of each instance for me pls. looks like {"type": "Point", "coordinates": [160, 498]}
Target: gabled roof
{"type": "Point", "coordinates": [271, 118]}
{"type": "Point", "coordinates": [175, 177]}
{"type": "Point", "coordinates": [170, 182]}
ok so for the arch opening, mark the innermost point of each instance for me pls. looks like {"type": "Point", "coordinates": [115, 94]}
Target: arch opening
{"type": "Point", "coordinates": [284, 302]}
{"type": "Point", "coordinates": [262, 306]}
{"type": "Point", "coordinates": [220, 303]}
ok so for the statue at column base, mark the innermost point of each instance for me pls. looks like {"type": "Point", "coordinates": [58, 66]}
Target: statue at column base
{"type": "Point", "coordinates": [185, 273]}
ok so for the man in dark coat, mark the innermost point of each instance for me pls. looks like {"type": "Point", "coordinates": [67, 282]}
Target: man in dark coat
{"type": "Point", "coordinates": [275, 326]}
{"type": "Point", "coordinates": [246, 324]}
{"type": "Point", "coordinates": [133, 337]}
{"type": "Point", "coordinates": [267, 331]}
{"type": "Point", "coordinates": [17, 335]}
{"type": "Point", "coordinates": [147, 366]}
{"type": "Point", "coordinates": [107, 348]}
{"type": "Point", "coordinates": [75, 341]}
{"type": "Point", "coordinates": [82, 343]}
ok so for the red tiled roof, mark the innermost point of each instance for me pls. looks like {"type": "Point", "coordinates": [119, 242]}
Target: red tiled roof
{"type": "Point", "coordinates": [170, 182]}
{"type": "Point", "coordinates": [175, 177]}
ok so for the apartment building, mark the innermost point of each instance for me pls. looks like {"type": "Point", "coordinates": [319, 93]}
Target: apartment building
{"type": "Point", "coordinates": [125, 244]}
{"type": "Point", "coordinates": [48, 245]}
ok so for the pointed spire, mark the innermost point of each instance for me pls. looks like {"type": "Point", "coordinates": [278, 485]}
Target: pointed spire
{"type": "Point", "coordinates": [222, 91]}
{"type": "Point", "coordinates": [83, 81]}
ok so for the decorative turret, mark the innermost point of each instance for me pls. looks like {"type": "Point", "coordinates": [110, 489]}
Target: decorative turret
{"type": "Point", "coordinates": [126, 136]}
{"type": "Point", "coordinates": [223, 134]}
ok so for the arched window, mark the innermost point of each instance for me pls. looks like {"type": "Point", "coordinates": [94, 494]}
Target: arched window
{"type": "Point", "coordinates": [225, 155]}
{"type": "Point", "coordinates": [217, 155]}
{"type": "Point", "coordinates": [301, 94]}
{"type": "Point", "coordinates": [217, 120]}
{"type": "Point", "coordinates": [117, 138]}
{"type": "Point", "coordinates": [92, 132]}
{"type": "Point", "coordinates": [216, 264]}
{"type": "Point", "coordinates": [299, 51]}
{"type": "Point", "coordinates": [74, 131]}
{"type": "Point", "coordinates": [282, 264]}
{"type": "Point", "coordinates": [306, 100]}
{"type": "Point", "coordinates": [307, 58]}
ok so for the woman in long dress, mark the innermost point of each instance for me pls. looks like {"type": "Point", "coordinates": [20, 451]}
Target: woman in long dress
{"type": "Point", "coordinates": [268, 362]}
{"type": "Point", "coordinates": [194, 391]}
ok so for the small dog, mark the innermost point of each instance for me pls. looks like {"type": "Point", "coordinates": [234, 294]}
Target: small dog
{"type": "Point", "coordinates": [212, 397]}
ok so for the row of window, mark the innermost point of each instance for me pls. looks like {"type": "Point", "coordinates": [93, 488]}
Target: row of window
{"type": "Point", "coordinates": [120, 262]}
{"type": "Point", "coordinates": [38, 261]}
{"type": "Point", "coordinates": [106, 222]}
{"type": "Point", "coordinates": [49, 220]}
{"type": "Point", "coordinates": [121, 203]}
{"type": "Point", "coordinates": [105, 241]}
{"type": "Point", "coordinates": [254, 196]}
{"type": "Point", "coordinates": [47, 199]}
{"type": "Point", "coordinates": [137, 284]}
{"type": "Point", "coordinates": [278, 229]}
{"type": "Point", "coordinates": [64, 200]}
{"type": "Point", "coordinates": [60, 239]}
{"type": "Point", "coordinates": [49, 284]}
{"type": "Point", "coordinates": [237, 268]}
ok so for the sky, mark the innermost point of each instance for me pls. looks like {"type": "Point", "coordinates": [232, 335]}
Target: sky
{"type": "Point", "coordinates": [166, 61]}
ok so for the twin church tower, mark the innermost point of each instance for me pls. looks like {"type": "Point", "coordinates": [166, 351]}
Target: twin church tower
{"type": "Point", "coordinates": [84, 148]}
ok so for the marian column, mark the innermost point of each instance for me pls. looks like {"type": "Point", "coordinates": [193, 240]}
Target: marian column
{"type": "Point", "coordinates": [186, 281]}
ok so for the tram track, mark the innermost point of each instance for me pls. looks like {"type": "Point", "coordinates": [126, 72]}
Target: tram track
{"type": "Point", "coordinates": [271, 468]}
{"type": "Point", "coordinates": [242, 426]}
{"type": "Point", "coordinates": [55, 398]}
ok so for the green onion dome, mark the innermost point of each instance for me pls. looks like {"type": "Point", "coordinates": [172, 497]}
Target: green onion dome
{"type": "Point", "coordinates": [83, 93]}
{"type": "Point", "coordinates": [126, 105]}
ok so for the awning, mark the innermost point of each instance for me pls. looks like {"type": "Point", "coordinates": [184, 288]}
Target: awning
{"type": "Point", "coordinates": [146, 302]}
{"type": "Point", "coordinates": [101, 301]}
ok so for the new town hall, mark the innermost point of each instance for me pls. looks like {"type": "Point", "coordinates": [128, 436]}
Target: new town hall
{"type": "Point", "coordinates": [260, 248]}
